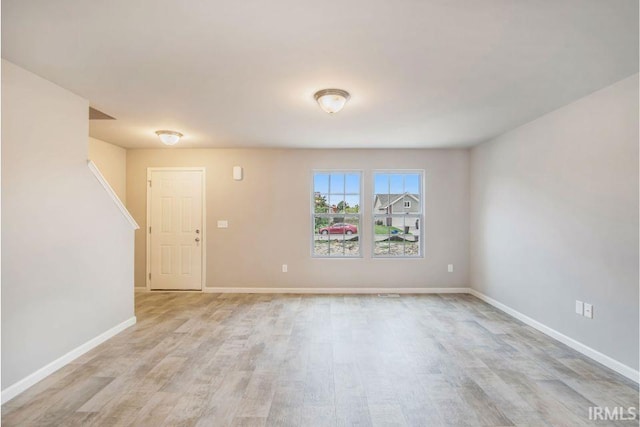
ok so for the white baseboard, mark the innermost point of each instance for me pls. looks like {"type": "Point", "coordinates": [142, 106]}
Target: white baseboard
{"type": "Point", "coordinates": [607, 361]}
{"type": "Point", "coordinates": [20, 386]}
{"type": "Point", "coordinates": [226, 290]}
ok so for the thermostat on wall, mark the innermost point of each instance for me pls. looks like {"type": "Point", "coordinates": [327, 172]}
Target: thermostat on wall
{"type": "Point", "coordinates": [237, 173]}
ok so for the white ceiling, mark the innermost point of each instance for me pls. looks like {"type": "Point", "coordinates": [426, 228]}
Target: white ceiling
{"type": "Point", "coordinates": [422, 73]}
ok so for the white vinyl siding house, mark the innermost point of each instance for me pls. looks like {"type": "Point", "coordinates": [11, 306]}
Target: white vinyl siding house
{"type": "Point", "coordinates": [388, 204]}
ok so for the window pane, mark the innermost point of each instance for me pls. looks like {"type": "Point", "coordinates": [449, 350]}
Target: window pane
{"type": "Point", "coordinates": [321, 183]}
{"type": "Point", "coordinates": [352, 183]}
{"type": "Point", "coordinates": [410, 203]}
{"type": "Point", "coordinates": [382, 232]}
{"type": "Point", "coordinates": [352, 204]}
{"type": "Point", "coordinates": [380, 183]}
{"type": "Point", "coordinates": [321, 202]}
{"type": "Point", "coordinates": [337, 236]}
{"type": "Point", "coordinates": [396, 184]}
{"type": "Point", "coordinates": [351, 236]}
{"type": "Point", "coordinates": [336, 202]}
{"type": "Point", "coordinates": [399, 237]}
{"type": "Point", "coordinates": [320, 245]}
{"type": "Point", "coordinates": [381, 248]}
{"type": "Point", "coordinates": [403, 236]}
{"type": "Point", "coordinates": [411, 248]}
{"type": "Point", "coordinates": [320, 223]}
{"type": "Point", "coordinates": [380, 204]}
{"type": "Point", "coordinates": [412, 235]}
{"type": "Point", "coordinates": [412, 187]}
{"type": "Point", "coordinates": [336, 245]}
{"type": "Point", "coordinates": [337, 183]}
{"type": "Point", "coordinates": [351, 226]}
{"type": "Point", "coordinates": [412, 183]}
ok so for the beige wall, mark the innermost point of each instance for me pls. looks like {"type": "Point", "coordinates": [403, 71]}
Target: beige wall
{"type": "Point", "coordinates": [555, 219]}
{"type": "Point", "coordinates": [112, 162]}
{"type": "Point", "coordinates": [67, 251]}
{"type": "Point", "coordinates": [270, 222]}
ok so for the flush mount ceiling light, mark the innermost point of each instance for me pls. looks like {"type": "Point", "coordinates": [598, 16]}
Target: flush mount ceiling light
{"type": "Point", "coordinates": [332, 100]}
{"type": "Point", "coordinates": [169, 137]}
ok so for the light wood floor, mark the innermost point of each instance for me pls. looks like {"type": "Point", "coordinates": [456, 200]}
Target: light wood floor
{"type": "Point", "coordinates": [291, 360]}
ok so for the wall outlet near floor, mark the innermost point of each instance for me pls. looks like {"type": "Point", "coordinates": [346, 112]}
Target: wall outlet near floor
{"type": "Point", "coordinates": [285, 268]}
{"type": "Point", "coordinates": [223, 223]}
{"type": "Point", "coordinates": [588, 310]}
{"type": "Point", "coordinates": [579, 306]}
{"type": "Point", "coordinates": [450, 268]}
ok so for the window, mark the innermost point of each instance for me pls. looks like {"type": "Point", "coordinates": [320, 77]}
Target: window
{"type": "Point", "coordinates": [336, 215]}
{"type": "Point", "coordinates": [397, 214]}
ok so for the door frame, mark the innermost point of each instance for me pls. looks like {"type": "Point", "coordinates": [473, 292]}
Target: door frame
{"type": "Point", "coordinates": [203, 261]}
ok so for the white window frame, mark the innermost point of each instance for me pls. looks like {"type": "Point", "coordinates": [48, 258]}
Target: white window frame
{"type": "Point", "coordinates": [360, 214]}
{"type": "Point", "coordinates": [407, 204]}
{"type": "Point", "coordinates": [419, 215]}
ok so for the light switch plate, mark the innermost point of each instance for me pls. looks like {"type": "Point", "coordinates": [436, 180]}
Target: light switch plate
{"type": "Point", "coordinates": [588, 310]}
{"type": "Point", "coordinates": [223, 223]}
{"type": "Point", "coordinates": [450, 268]}
{"type": "Point", "coordinates": [285, 268]}
{"type": "Point", "coordinates": [579, 306]}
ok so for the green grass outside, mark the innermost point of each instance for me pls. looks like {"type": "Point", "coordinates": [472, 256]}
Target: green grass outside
{"type": "Point", "coordinates": [384, 229]}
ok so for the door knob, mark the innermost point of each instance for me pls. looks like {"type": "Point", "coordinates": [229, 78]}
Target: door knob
{"type": "Point", "coordinates": [197, 239]}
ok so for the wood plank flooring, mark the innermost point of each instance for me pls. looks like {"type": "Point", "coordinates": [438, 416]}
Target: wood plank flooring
{"type": "Point", "coordinates": [316, 360]}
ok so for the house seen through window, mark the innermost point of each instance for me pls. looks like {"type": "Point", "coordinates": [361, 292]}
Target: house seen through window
{"type": "Point", "coordinates": [397, 214]}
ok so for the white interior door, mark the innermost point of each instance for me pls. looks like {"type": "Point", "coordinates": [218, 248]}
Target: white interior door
{"type": "Point", "coordinates": [176, 235]}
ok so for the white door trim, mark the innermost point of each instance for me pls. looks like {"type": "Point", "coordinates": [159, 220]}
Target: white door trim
{"type": "Point", "coordinates": [204, 221]}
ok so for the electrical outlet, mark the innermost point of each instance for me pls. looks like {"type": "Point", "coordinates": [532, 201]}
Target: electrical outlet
{"type": "Point", "coordinates": [579, 307]}
{"type": "Point", "coordinates": [285, 268]}
{"type": "Point", "coordinates": [450, 268]}
{"type": "Point", "coordinates": [588, 310]}
{"type": "Point", "coordinates": [223, 223]}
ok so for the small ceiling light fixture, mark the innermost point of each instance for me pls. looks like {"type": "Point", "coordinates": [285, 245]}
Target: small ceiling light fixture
{"type": "Point", "coordinates": [332, 100]}
{"type": "Point", "coordinates": [169, 137]}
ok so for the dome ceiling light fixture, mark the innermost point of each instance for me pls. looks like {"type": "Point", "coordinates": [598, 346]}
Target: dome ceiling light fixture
{"type": "Point", "coordinates": [332, 100]}
{"type": "Point", "coordinates": [169, 137]}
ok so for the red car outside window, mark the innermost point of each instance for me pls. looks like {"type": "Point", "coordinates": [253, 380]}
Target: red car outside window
{"type": "Point", "coordinates": [339, 228]}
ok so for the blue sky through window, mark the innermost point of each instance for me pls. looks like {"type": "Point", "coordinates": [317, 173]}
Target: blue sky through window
{"type": "Point", "coordinates": [390, 183]}
{"type": "Point", "coordinates": [336, 183]}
